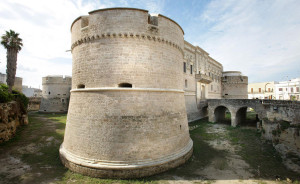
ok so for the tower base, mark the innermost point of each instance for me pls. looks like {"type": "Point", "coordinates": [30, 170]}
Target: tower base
{"type": "Point", "coordinates": [121, 169]}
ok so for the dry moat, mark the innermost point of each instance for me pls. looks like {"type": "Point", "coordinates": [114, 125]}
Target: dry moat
{"type": "Point", "coordinates": [222, 154]}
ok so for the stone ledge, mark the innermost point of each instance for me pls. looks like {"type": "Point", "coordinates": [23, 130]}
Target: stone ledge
{"type": "Point", "coordinates": [127, 89]}
{"type": "Point", "coordinates": [114, 170]}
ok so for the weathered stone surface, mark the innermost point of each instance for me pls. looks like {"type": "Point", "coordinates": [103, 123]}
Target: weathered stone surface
{"type": "Point", "coordinates": [11, 116]}
{"type": "Point", "coordinates": [126, 132]}
{"type": "Point", "coordinates": [34, 103]}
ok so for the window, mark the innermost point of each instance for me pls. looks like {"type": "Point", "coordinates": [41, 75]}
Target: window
{"type": "Point", "coordinates": [79, 86]}
{"type": "Point", "coordinates": [212, 87]}
{"type": "Point", "coordinates": [153, 20]}
{"type": "Point", "coordinates": [297, 89]}
{"type": "Point", "coordinates": [62, 100]}
{"type": "Point", "coordinates": [49, 93]}
{"type": "Point", "coordinates": [259, 90]}
{"type": "Point", "coordinates": [269, 89]}
{"type": "Point", "coordinates": [185, 83]}
{"type": "Point", "coordinates": [184, 67]}
{"type": "Point", "coordinates": [292, 90]}
{"type": "Point", "coordinates": [125, 85]}
{"type": "Point", "coordinates": [191, 69]}
{"type": "Point", "coordinates": [251, 90]}
{"type": "Point", "coordinates": [280, 89]}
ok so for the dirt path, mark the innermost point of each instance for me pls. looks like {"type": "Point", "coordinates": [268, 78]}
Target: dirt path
{"type": "Point", "coordinates": [22, 159]}
{"type": "Point", "coordinates": [232, 166]}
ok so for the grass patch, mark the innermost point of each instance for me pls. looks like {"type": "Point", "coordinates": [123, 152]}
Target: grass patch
{"type": "Point", "coordinates": [203, 153]}
{"type": "Point", "coordinates": [261, 156]}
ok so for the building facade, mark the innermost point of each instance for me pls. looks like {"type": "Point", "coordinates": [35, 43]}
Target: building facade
{"type": "Point", "coordinates": [31, 92]}
{"type": "Point", "coordinates": [288, 90]}
{"type": "Point", "coordinates": [55, 94]}
{"type": "Point", "coordinates": [262, 90]}
{"type": "Point", "coordinates": [201, 79]}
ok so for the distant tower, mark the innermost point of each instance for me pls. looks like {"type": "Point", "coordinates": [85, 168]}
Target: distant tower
{"type": "Point", "coordinates": [55, 93]}
{"type": "Point", "coordinates": [127, 115]}
{"type": "Point", "coordinates": [234, 85]}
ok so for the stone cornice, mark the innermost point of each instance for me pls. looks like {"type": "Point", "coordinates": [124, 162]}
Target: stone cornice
{"type": "Point", "coordinates": [126, 89]}
{"type": "Point", "coordinates": [126, 35]}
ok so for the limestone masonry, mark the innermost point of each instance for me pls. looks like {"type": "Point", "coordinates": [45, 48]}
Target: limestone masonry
{"type": "Point", "coordinates": [127, 115]}
{"type": "Point", "coordinates": [55, 93]}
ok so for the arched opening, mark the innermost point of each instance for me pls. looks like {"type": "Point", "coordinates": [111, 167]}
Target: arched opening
{"type": "Point", "coordinates": [80, 86]}
{"type": "Point", "coordinates": [204, 111]}
{"type": "Point", "coordinates": [125, 85]}
{"type": "Point", "coordinates": [222, 115]}
{"type": "Point", "coordinates": [246, 116]}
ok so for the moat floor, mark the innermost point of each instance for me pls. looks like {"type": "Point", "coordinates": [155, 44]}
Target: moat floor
{"type": "Point", "coordinates": [222, 154]}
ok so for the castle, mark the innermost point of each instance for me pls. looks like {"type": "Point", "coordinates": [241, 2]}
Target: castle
{"type": "Point", "coordinates": [55, 94]}
{"type": "Point", "coordinates": [135, 85]}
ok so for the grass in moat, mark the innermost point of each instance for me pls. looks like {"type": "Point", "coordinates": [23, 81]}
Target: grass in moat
{"type": "Point", "coordinates": [37, 145]}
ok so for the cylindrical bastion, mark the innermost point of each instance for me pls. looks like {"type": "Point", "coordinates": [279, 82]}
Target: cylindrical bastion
{"type": "Point", "coordinates": [55, 94]}
{"type": "Point", "coordinates": [127, 115]}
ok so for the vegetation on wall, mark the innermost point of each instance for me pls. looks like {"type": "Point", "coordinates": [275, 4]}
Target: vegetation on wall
{"type": "Point", "coordinates": [5, 96]}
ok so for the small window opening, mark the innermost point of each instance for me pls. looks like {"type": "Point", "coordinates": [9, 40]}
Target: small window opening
{"type": "Point", "coordinates": [84, 21]}
{"type": "Point", "coordinates": [180, 127]}
{"type": "Point", "coordinates": [184, 67]}
{"type": "Point", "coordinates": [185, 83]}
{"type": "Point", "coordinates": [125, 85]}
{"type": "Point", "coordinates": [153, 20]}
{"type": "Point", "coordinates": [49, 93]}
{"type": "Point", "coordinates": [80, 86]}
{"type": "Point", "coordinates": [191, 69]}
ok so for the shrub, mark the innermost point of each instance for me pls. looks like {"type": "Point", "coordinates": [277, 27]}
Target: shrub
{"type": "Point", "coordinates": [5, 96]}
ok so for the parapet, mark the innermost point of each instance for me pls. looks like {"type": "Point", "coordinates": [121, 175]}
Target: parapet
{"type": "Point", "coordinates": [56, 79]}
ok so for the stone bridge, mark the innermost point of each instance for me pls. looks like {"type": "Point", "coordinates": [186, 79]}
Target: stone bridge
{"type": "Point", "coordinates": [265, 109]}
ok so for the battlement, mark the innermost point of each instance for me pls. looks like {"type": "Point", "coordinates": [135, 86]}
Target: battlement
{"type": "Point", "coordinates": [56, 79]}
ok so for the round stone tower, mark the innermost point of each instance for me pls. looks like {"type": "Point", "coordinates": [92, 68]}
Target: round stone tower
{"type": "Point", "coordinates": [55, 94]}
{"type": "Point", "coordinates": [127, 115]}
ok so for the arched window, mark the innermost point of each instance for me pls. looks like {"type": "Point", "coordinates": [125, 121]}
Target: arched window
{"type": "Point", "coordinates": [125, 85]}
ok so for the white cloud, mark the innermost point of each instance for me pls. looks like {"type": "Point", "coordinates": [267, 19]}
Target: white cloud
{"type": "Point", "coordinates": [44, 27]}
{"type": "Point", "coordinates": [260, 38]}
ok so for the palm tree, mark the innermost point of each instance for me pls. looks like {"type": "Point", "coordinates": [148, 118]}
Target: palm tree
{"type": "Point", "coordinates": [13, 44]}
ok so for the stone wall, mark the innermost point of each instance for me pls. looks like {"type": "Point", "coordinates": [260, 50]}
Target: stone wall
{"type": "Point", "coordinates": [234, 85]}
{"type": "Point", "coordinates": [127, 116]}
{"type": "Point", "coordinates": [11, 116]}
{"type": "Point", "coordinates": [281, 125]}
{"type": "Point", "coordinates": [34, 103]}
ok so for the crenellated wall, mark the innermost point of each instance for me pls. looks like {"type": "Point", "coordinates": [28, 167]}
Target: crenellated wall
{"type": "Point", "coordinates": [127, 115]}
{"type": "Point", "coordinates": [55, 94]}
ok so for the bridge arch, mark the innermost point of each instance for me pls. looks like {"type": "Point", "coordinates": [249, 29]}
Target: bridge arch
{"type": "Point", "coordinates": [244, 116]}
{"type": "Point", "coordinates": [221, 114]}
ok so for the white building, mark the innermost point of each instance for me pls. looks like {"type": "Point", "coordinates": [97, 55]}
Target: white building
{"type": "Point", "coordinates": [288, 90]}
{"type": "Point", "coordinates": [31, 92]}
{"type": "Point", "coordinates": [262, 90]}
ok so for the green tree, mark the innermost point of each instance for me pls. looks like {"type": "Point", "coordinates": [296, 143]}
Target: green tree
{"type": "Point", "coordinates": [13, 44]}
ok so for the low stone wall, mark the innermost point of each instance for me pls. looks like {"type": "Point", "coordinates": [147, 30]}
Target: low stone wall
{"type": "Point", "coordinates": [34, 103]}
{"type": "Point", "coordinates": [11, 116]}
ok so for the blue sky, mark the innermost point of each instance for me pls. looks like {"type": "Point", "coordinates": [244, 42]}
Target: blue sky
{"type": "Point", "coordinates": [261, 38]}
